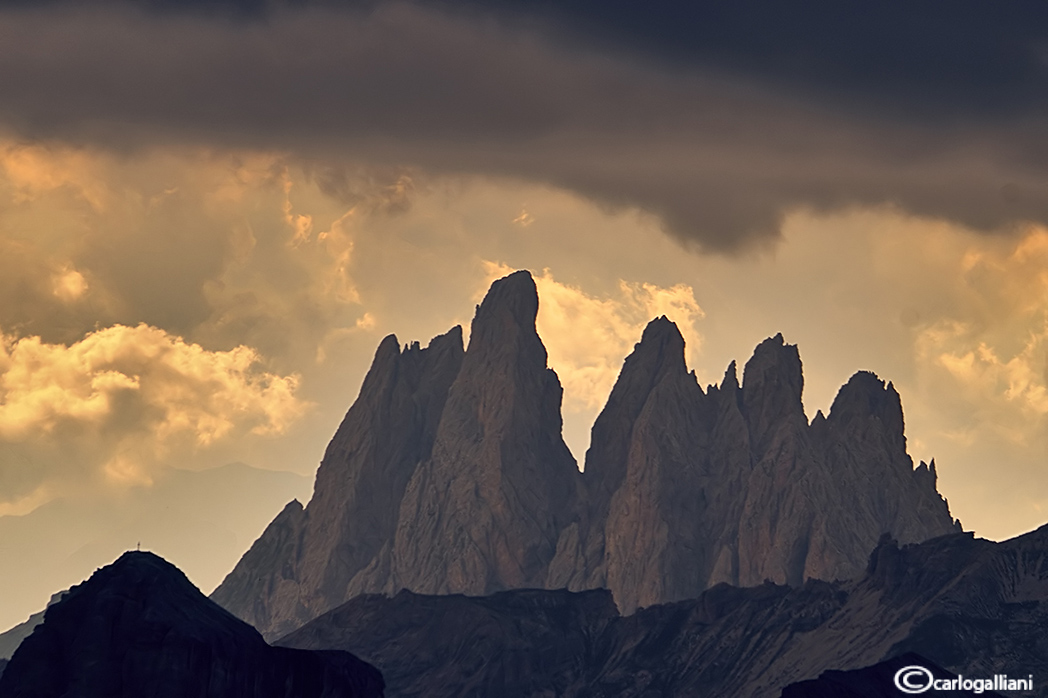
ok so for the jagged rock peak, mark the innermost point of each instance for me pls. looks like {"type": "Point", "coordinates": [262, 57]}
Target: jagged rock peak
{"type": "Point", "coordinates": [925, 474]}
{"type": "Point", "coordinates": [389, 348]}
{"type": "Point", "coordinates": [661, 345]}
{"type": "Point", "coordinates": [662, 328]}
{"type": "Point", "coordinates": [868, 410]}
{"type": "Point", "coordinates": [309, 561]}
{"type": "Point", "coordinates": [510, 307]}
{"type": "Point", "coordinates": [775, 365]}
{"type": "Point", "coordinates": [865, 395]}
{"type": "Point", "coordinates": [772, 384]}
{"type": "Point", "coordinates": [449, 341]}
{"type": "Point", "coordinates": [485, 511]}
{"type": "Point", "coordinates": [731, 377]}
{"type": "Point", "coordinates": [659, 353]}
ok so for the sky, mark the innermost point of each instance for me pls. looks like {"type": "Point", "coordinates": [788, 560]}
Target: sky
{"type": "Point", "coordinates": [211, 214]}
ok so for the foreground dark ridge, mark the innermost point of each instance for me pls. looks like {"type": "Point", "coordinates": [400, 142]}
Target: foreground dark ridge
{"type": "Point", "coordinates": [449, 475]}
{"type": "Point", "coordinates": [968, 605]}
{"type": "Point", "coordinates": [139, 628]}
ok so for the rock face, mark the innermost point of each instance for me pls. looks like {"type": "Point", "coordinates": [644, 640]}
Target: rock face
{"type": "Point", "coordinates": [686, 488]}
{"type": "Point", "coordinates": [138, 627]}
{"type": "Point", "coordinates": [485, 511]}
{"type": "Point", "coordinates": [513, 643]}
{"type": "Point", "coordinates": [968, 605]}
{"type": "Point", "coordinates": [449, 475]}
{"type": "Point", "coordinates": [309, 560]}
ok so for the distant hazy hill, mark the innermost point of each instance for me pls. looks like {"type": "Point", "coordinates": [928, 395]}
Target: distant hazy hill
{"type": "Point", "coordinates": [202, 520]}
{"type": "Point", "coordinates": [449, 475]}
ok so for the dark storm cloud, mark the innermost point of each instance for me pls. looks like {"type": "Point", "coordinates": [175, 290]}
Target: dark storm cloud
{"type": "Point", "coordinates": [937, 55]}
{"type": "Point", "coordinates": [719, 122]}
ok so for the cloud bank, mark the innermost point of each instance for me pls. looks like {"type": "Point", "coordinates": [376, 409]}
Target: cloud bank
{"type": "Point", "coordinates": [720, 158]}
{"type": "Point", "coordinates": [121, 400]}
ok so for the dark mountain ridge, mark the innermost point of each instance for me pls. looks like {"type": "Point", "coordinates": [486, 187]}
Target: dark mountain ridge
{"type": "Point", "coordinates": [966, 605]}
{"type": "Point", "coordinates": [138, 627]}
{"type": "Point", "coordinates": [449, 475]}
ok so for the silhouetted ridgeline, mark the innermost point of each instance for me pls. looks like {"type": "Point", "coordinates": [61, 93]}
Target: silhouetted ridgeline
{"type": "Point", "coordinates": [967, 605]}
{"type": "Point", "coordinates": [139, 628]}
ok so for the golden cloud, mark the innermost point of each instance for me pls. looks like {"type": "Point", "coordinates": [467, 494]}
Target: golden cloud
{"type": "Point", "coordinates": [68, 284]}
{"type": "Point", "coordinates": [132, 394]}
{"type": "Point", "coordinates": [194, 391]}
{"type": "Point", "coordinates": [37, 169]}
{"type": "Point", "coordinates": [995, 356]}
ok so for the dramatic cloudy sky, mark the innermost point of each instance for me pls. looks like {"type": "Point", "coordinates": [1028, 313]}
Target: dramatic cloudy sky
{"type": "Point", "coordinates": [212, 212]}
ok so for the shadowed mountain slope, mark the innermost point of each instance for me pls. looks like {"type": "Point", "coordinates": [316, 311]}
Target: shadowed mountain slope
{"type": "Point", "coordinates": [309, 560]}
{"type": "Point", "coordinates": [969, 605]}
{"type": "Point", "coordinates": [138, 627]}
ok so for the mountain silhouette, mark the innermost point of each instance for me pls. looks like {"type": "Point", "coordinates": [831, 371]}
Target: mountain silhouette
{"type": "Point", "coordinates": [138, 628]}
{"type": "Point", "coordinates": [449, 475]}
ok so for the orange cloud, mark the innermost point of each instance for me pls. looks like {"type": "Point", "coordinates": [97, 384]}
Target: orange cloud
{"type": "Point", "coordinates": [195, 391]}
{"type": "Point", "coordinates": [133, 394]}
{"type": "Point", "coordinates": [36, 169]}
{"type": "Point", "coordinates": [68, 284]}
{"type": "Point", "coordinates": [996, 355]}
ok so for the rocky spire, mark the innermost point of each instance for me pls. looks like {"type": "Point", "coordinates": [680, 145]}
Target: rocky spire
{"type": "Point", "coordinates": [867, 409]}
{"type": "Point", "coordinates": [449, 475]}
{"type": "Point", "coordinates": [484, 512]}
{"type": "Point", "coordinates": [864, 449]}
{"type": "Point", "coordinates": [646, 531]}
{"type": "Point", "coordinates": [771, 389]}
{"type": "Point", "coordinates": [658, 357]}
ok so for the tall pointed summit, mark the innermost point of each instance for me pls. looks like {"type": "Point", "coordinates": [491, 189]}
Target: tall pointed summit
{"type": "Point", "coordinates": [685, 489]}
{"type": "Point", "coordinates": [484, 512]}
{"type": "Point", "coordinates": [449, 475]}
